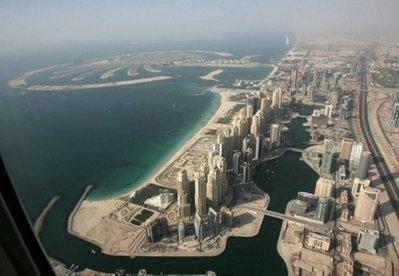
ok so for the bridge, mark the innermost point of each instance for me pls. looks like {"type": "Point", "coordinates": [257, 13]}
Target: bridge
{"type": "Point", "coordinates": [307, 223]}
{"type": "Point", "coordinates": [295, 150]}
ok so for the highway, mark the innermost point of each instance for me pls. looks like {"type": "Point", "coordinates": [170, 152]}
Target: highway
{"type": "Point", "coordinates": [386, 176]}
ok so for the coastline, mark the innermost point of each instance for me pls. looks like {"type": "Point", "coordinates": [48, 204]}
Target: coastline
{"type": "Point", "coordinates": [92, 220]}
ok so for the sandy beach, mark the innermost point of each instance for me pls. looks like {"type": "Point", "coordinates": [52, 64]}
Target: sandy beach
{"type": "Point", "coordinates": [91, 220]}
{"type": "Point", "coordinates": [89, 86]}
{"type": "Point", "coordinates": [225, 105]}
{"type": "Point", "coordinates": [212, 75]}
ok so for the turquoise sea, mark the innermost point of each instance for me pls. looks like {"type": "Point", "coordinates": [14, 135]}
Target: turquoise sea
{"type": "Point", "coordinates": [57, 143]}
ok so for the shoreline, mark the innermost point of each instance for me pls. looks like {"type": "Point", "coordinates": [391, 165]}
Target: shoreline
{"type": "Point", "coordinates": [174, 155]}
{"type": "Point", "coordinates": [90, 219]}
{"type": "Point", "coordinates": [93, 220]}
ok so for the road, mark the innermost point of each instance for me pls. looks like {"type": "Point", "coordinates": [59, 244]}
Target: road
{"type": "Point", "coordinates": [386, 176]}
{"type": "Point", "coordinates": [305, 222]}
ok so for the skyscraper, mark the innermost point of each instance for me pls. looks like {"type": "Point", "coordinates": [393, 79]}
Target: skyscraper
{"type": "Point", "coordinates": [214, 221]}
{"type": "Point", "coordinates": [275, 135]}
{"type": "Point", "coordinates": [326, 163]}
{"type": "Point", "coordinates": [265, 107]}
{"type": "Point", "coordinates": [358, 185]}
{"type": "Point", "coordinates": [364, 165]}
{"type": "Point", "coordinates": [237, 162]}
{"type": "Point", "coordinates": [366, 204]}
{"type": "Point", "coordinates": [256, 126]}
{"type": "Point", "coordinates": [323, 210]}
{"type": "Point", "coordinates": [200, 193]}
{"type": "Point", "coordinates": [354, 158]}
{"type": "Point", "coordinates": [198, 226]}
{"type": "Point", "coordinates": [213, 188]}
{"type": "Point", "coordinates": [324, 187]}
{"type": "Point", "coordinates": [222, 166]}
{"type": "Point", "coordinates": [345, 150]}
{"type": "Point", "coordinates": [246, 172]}
{"type": "Point", "coordinates": [181, 230]}
{"type": "Point", "coordinates": [315, 82]}
{"type": "Point", "coordinates": [367, 240]}
{"type": "Point", "coordinates": [277, 98]}
{"type": "Point", "coordinates": [183, 194]}
{"type": "Point", "coordinates": [258, 147]}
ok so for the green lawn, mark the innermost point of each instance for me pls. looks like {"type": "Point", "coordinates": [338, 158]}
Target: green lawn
{"type": "Point", "coordinates": [387, 78]}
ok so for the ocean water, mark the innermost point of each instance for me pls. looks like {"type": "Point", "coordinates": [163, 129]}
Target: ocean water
{"type": "Point", "coordinates": [57, 143]}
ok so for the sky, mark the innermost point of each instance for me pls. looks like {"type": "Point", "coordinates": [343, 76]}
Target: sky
{"type": "Point", "coordinates": [52, 23]}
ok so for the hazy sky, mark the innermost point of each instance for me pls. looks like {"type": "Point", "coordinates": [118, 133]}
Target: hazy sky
{"type": "Point", "coordinates": [37, 23]}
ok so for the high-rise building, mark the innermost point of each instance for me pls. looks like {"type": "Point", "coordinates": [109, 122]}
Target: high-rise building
{"type": "Point", "coordinates": [213, 188]}
{"type": "Point", "coordinates": [222, 166]}
{"type": "Point", "coordinates": [364, 165]}
{"type": "Point", "coordinates": [181, 230]}
{"type": "Point", "coordinates": [200, 193]}
{"type": "Point", "coordinates": [182, 182]}
{"type": "Point", "coordinates": [246, 172]}
{"type": "Point", "coordinates": [250, 111]}
{"type": "Point", "coordinates": [318, 241]}
{"type": "Point", "coordinates": [277, 98]}
{"type": "Point", "coordinates": [395, 115]}
{"type": "Point", "coordinates": [326, 163]}
{"type": "Point", "coordinates": [366, 204]}
{"type": "Point", "coordinates": [265, 107]}
{"type": "Point", "coordinates": [328, 111]}
{"type": "Point", "coordinates": [258, 147]}
{"type": "Point", "coordinates": [354, 159]}
{"type": "Point", "coordinates": [211, 158]}
{"type": "Point", "coordinates": [245, 144]}
{"type": "Point", "coordinates": [294, 81]}
{"type": "Point", "coordinates": [345, 150]}
{"type": "Point", "coordinates": [324, 187]}
{"type": "Point", "coordinates": [311, 92]}
{"type": "Point", "coordinates": [237, 162]}
{"type": "Point", "coordinates": [275, 135]}
{"type": "Point", "coordinates": [256, 126]}
{"type": "Point", "coordinates": [358, 185]}
{"type": "Point", "coordinates": [367, 240]}
{"type": "Point", "coordinates": [198, 226]}
{"type": "Point", "coordinates": [157, 229]}
{"type": "Point", "coordinates": [323, 210]}
{"type": "Point", "coordinates": [315, 82]}
{"type": "Point", "coordinates": [214, 221]}
{"type": "Point", "coordinates": [183, 199]}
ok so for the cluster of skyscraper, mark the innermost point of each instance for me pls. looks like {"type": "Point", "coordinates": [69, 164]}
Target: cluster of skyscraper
{"type": "Point", "coordinates": [307, 80]}
{"type": "Point", "coordinates": [343, 183]}
{"type": "Point", "coordinates": [237, 146]}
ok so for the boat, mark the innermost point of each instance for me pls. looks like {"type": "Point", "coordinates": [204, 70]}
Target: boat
{"type": "Point", "coordinates": [93, 251]}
